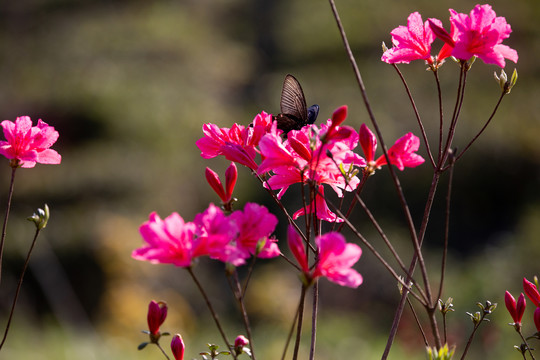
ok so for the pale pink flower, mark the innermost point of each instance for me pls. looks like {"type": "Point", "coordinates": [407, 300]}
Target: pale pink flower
{"type": "Point", "coordinates": [411, 42]}
{"type": "Point", "coordinates": [157, 312]}
{"type": "Point", "coordinates": [336, 258]}
{"type": "Point", "coordinates": [516, 310]}
{"type": "Point", "coordinates": [320, 207]}
{"type": "Point", "coordinates": [168, 241]}
{"type": "Point", "coordinates": [402, 154]}
{"type": "Point", "coordinates": [481, 34]}
{"type": "Point", "coordinates": [255, 225]}
{"type": "Point", "coordinates": [27, 145]}
{"type": "Point", "coordinates": [177, 347]}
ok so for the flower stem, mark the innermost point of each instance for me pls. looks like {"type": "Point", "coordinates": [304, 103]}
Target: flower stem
{"type": "Point", "coordinates": [212, 311]}
{"type": "Point", "coordinates": [4, 226]}
{"type": "Point", "coordinates": [19, 285]}
{"type": "Point", "coordinates": [299, 323]}
{"type": "Point", "coordinates": [163, 351]}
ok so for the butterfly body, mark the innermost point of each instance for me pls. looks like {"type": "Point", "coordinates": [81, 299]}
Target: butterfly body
{"type": "Point", "coordinates": [294, 112]}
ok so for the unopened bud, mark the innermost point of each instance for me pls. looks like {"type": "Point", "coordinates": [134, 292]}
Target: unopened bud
{"type": "Point", "coordinates": [41, 217]}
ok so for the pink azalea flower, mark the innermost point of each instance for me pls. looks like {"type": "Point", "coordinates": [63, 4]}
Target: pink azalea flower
{"type": "Point", "coordinates": [516, 310]}
{"type": "Point", "coordinates": [157, 312]}
{"type": "Point", "coordinates": [177, 347]}
{"type": "Point", "coordinates": [27, 145]}
{"type": "Point", "coordinates": [532, 292]}
{"type": "Point", "coordinates": [336, 259]}
{"type": "Point", "coordinates": [169, 241]}
{"type": "Point", "coordinates": [255, 225]}
{"type": "Point", "coordinates": [481, 34]}
{"type": "Point", "coordinates": [320, 207]}
{"type": "Point", "coordinates": [402, 153]}
{"type": "Point", "coordinates": [214, 235]}
{"type": "Point", "coordinates": [411, 42]}
{"type": "Point", "coordinates": [303, 157]}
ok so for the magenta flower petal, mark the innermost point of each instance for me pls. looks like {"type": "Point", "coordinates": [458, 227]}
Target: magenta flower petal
{"type": "Point", "coordinates": [296, 244]}
{"type": "Point", "coordinates": [532, 292]}
{"type": "Point", "coordinates": [177, 347]}
{"type": "Point", "coordinates": [480, 34]}
{"type": "Point", "coordinates": [336, 259]}
{"type": "Point", "coordinates": [27, 144]}
{"type": "Point", "coordinates": [157, 312]}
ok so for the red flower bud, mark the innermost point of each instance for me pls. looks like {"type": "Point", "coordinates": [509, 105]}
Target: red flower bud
{"type": "Point", "coordinates": [177, 347]}
{"type": "Point", "coordinates": [157, 312]}
{"type": "Point", "coordinates": [532, 292]}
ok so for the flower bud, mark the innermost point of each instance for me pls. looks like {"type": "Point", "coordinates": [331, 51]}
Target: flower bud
{"type": "Point", "coordinates": [177, 347]}
{"type": "Point", "coordinates": [157, 312]}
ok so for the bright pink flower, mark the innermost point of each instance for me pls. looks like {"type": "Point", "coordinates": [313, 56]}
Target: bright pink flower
{"type": "Point", "coordinates": [516, 310]}
{"type": "Point", "coordinates": [177, 347]}
{"type": "Point", "coordinates": [255, 225]}
{"type": "Point", "coordinates": [536, 318]}
{"type": "Point", "coordinates": [231, 175]}
{"type": "Point", "coordinates": [303, 158]}
{"type": "Point", "coordinates": [238, 143]}
{"type": "Point", "coordinates": [481, 34]}
{"type": "Point", "coordinates": [157, 312]}
{"type": "Point", "coordinates": [411, 42]}
{"type": "Point", "coordinates": [297, 246]}
{"type": "Point", "coordinates": [27, 145]}
{"type": "Point", "coordinates": [336, 259]}
{"type": "Point", "coordinates": [214, 235]}
{"type": "Point", "coordinates": [532, 292]}
{"type": "Point", "coordinates": [320, 207]}
{"type": "Point", "coordinates": [401, 154]}
{"type": "Point", "coordinates": [169, 241]}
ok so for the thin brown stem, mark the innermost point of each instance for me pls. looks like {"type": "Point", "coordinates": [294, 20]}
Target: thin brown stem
{"type": "Point", "coordinates": [527, 345]}
{"type": "Point", "coordinates": [441, 113]}
{"type": "Point", "coordinates": [289, 336]}
{"type": "Point", "coordinates": [299, 323]}
{"type": "Point", "coordinates": [314, 316]}
{"type": "Point", "coordinates": [162, 351]}
{"type": "Point", "coordinates": [483, 128]}
{"type": "Point", "coordinates": [6, 216]}
{"type": "Point", "coordinates": [239, 295]}
{"type": "Point", "coordinates": [212, 311]}
{"type": "Point", "coordinates": [19, 285]}
{"type": "Point", "coordinates": [418, 322]}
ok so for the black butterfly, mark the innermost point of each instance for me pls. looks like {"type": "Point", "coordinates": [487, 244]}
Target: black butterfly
{"type": "Point", "coordinates": [294, 112]}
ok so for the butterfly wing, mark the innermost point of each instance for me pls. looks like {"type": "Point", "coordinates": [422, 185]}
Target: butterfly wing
{"type": "Point", "coordinates": [293, 102]}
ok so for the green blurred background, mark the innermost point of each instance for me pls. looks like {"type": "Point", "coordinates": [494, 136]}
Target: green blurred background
{"type": "Point", "coordinates": [128, 85]}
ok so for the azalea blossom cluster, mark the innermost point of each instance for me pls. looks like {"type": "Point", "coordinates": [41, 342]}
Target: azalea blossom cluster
{"type": "Point", "coordinates": [229, 238]}
{"type": "Point", "coordinates": [312, 155]}
{"type": "Point", "coordinates": [478, 34]}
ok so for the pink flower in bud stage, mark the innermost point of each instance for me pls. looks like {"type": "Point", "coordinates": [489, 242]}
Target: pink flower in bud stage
{"type": "Point", "coordinates": [169, 241]}
{"type": "Point", "coordinates": [402, 154]}
{"type": "Point", "coordinates": [239, 343]}
{"type": "Point", "coordinates": [516, 310]}
{"type": "Point", "coordinates": [157, 312]}
{"type": "Point", "coordinates": [536, 318]}
{"type": "Point", "coordinates": [480, 34]}
{"type": "Point", "coordinates": [320, 207]}
{"type": "Point", "coordinates": [231, 175]}
{"type": "Point", "coordinates": [297, 246]}
{"type": "Point", "coordinates": [255, 225]}
{"type": "Point", "coordinates": [411, 42]}
{"type": "Point", "coordinates": [27, 145]}
{"type": "Point", "coordinates": [336, 258]}
{"type": "Point", "coordinates": [177, 347]}
{"type": "Point", "coordinates": [532, 292]}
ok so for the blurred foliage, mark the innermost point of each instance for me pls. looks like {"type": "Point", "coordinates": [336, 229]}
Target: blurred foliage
{"type": "Point", "coordinates": [129, 83]}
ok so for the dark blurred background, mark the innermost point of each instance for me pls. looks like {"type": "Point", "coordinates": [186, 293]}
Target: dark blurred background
{"type": "Point", "coordinates": [128, 85]}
